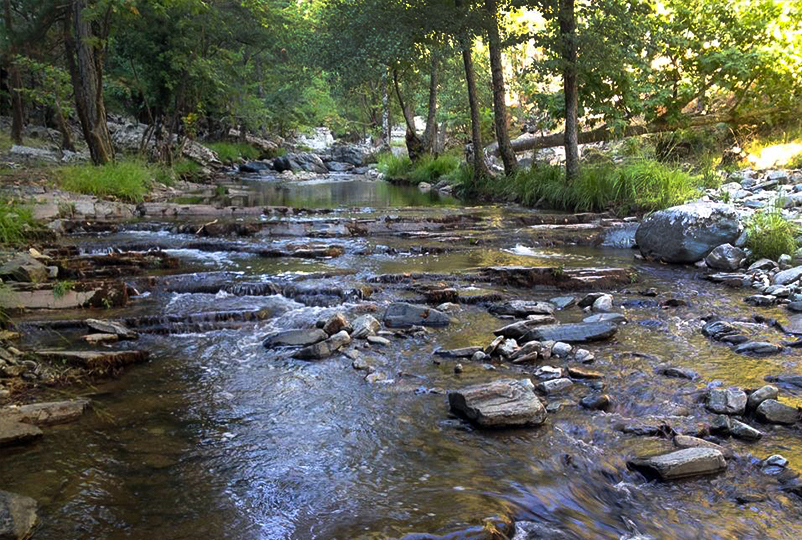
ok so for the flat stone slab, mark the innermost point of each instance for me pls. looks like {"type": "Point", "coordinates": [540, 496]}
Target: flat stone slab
{"type": "Point", "coordinates": [686, 441]}
{"type": "Point", "coordinates": [17, 516]}
{"type": "Point", "coordinates": [519, 329]}
{"type": "Point", "coordinates": [521, 308]}
{"type": "Point", "coordinates": [96, 359]}
{"type": "Point", "coordinates": [111, 327]}
{"type": "Point", "coordinates": [326, 348]}
{"type": "Point", "coordinates": [45, 414]}
{"type": "Point", "coordinates": [681, 463]}
{"type": "Point", "coordinates": [403, 315]}
{"type": "Point", "coordinates": [13, 433]}
{"type": "Point", "coordinates": [295, 338]}
{"type": "Point", "coordinates": [572, 333]}
{"type": "Point", "coordinates": [501, 403]}
{"type": "Point", "coordinates": [464, 352]}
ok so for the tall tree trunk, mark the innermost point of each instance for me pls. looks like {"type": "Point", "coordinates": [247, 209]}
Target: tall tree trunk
{"type": "Point", "coordinates": [64, 129]}
{"type": "Point", "coordinates": [85, 59]}
{"type": "Point", "coordinates": [499, 90]}
{"type": "Point", "coordinates": [14, 80]}
{"type": "Point", "coordinates": [479, 165]}
{"type": "Point", "coordinates": [567, 18]}
{"type": "Point", "coordinates": [386, 133]}
{"type": "Point", "coordinates": [430, 134]}
{"type": "Point", "coordinates": [414, 143]}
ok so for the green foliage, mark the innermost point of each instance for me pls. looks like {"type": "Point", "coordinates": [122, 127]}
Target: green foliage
{"type": "Point", "coordinates": [394, 167]}
{"type": "Point", "coordinates": [430, 169]}
{"type": "Point", "coordinates": [16, 223]}
{"type": "Point", "coordinates": [61, 288]}
{"type": "Point", "coordinates": [770, 235]}
{"type": "Point", "coordinates": [637, 186]}
{"type": "Point", "coordinates": [229, 152]}
{"type": "Point", "coordinates": [186, 169]}
{"type": "Point", "coordinates": [128, 180]}
{"type": "Point", "coordinates": [796, 162]}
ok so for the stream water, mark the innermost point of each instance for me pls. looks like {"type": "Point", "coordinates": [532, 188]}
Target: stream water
{"type": "Point", "coordinates": [217, 437]}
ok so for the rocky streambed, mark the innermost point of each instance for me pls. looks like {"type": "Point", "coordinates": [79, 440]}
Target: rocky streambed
{"type": "Point", "coordinates": [340, 358]}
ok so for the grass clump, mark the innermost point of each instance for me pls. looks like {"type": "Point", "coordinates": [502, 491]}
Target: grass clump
{"type": "Point", "coordinates": [16, 223]}
{"type": "Point", "coordinates": [186, 169]}
{"type": "Point", "coordinates": [128, 180]}
{"type": "Point", "coordinates": [394, 167]}
{"type": "Point", "coordinates": [642, 185]}
{"type": "Point", "coordinates": [769, 235]}
{"type": "Point", "coordinates": [228, 152]}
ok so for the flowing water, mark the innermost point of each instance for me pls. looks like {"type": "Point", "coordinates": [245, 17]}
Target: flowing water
{"type": "Point", "coordinates": [217, 437]}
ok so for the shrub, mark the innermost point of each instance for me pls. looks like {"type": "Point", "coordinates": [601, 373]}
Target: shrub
{"type": "Point", "coordinates": [770, 235]}
{"type": "Point", "coordinates": [128, 180]}
{"type": "Point", "coordinates": [16, 222]}
{"type": "Point", "coordinates": [430, 169]}
{"type": "Point", "coordinates": [186, 169]}
{"type": "Point", "coordinates": [795, 162]}
{"type": "Point", "coordinates": [228, 152]}
{"type": "Point", "coordinates": [394, 167]}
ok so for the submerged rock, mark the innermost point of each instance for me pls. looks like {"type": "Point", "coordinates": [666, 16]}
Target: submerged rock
{"type": "Point", "coordinates": [614, 318]}
{"type": "Point", "coordinates": [572, 333]}
{"type": "Point", "coordinates": [465, 352]}
{"type": "Point", "coordinates": [17, 516]}
{"type": "Point", "coordinates": [295, 338]}
{"type": "Point", "coordinates": [326, 348]}
{"type": "Point", "coordinates": [688, 233]}
{"type": "Point", "coordinates": [595, 402]}
{"type": "Point", "coordinates": [403, 315]}
{"type": "Point", "coordinates": [48, 413]}
{"type": "Point", "coordinates": [13, 433]}
{"type": "Point", "coordinates": [758, 348]}
{"type": "Point", "coordinates": [681, 463]}
{"type": "Point", "coordinates": [501, 403]}
{"type": "Point", "coordinates": [519, 329]}
{"type": "Point", "coordinates": [772, 411]}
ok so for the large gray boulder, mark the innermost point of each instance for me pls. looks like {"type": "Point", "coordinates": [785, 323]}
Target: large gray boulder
{"type": "Point", "coordinates": [681, 463]}
{"type": "Point", "coordinates": [726, 257]}
{"type": "Point", "coordinates": [501, 403]}
{"type": "Point", "coordinates": [572, 333]}
{"type": "Point", "coordinates": [17, 516]}
{"type": "Point", "coordinates": [353, 155]}
{"type": "Point", "coordinates": [403, 315]}
{"type": "Point", "coordinates": [772, 411]}
{"type": "Point", "coordinates": [688, 233]}
{"type": "Point", "coordinates": [303, 161]}
{"type": "Point", "coordinates": [727, 401]}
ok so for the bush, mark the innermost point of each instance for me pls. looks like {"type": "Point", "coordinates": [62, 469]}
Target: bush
{"type": "Point", "coordinates": [128, 180]}
{"type": "Point", "coordinates": [228, 152]}
{"type": "Point", "coordinates": [796, 162]}
{"type": "Point", "coordinates": [186, 169]}
{"type": "Point", "coordinates": [394, 167]}
{"type": "Point", "coordinates": [770, 235]}
{"type": "Point", "coordinates": [16, 222]}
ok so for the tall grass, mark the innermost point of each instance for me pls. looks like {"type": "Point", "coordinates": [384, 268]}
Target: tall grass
{"type": "Point", "coordinates": [769, 235]}
{"type": "Point", "coordinates": [128, 180]}
{"type": "Point", "coordinates": [638, 186]}
{"type": "Point", "coordinates": [394, 167]}
{"type": "Point", "coordinates": [229, 152]}
{"type": "Point", "coordinates": [16, 222]}
{"type": "Point", "coordinates": [427, 169]}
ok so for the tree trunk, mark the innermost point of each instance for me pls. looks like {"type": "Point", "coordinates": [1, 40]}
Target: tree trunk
{"type": "Point", "coordinates": [499, 90]}
{"type": "Point", "coordinates": [66, 137]}
{"type": "Point", "coordinates": [430, 135]}
{"type": "Point", "coordinates": [479, 165]}
{"type": "Point", "coordinates": [386, 133]}
{"type": "Point", "coordinates": [85, 59]}
{"type": "Point", "coordinates": [570, 88]}
{"type": "Point", "coordinates": [14, 80]}
{"type": "Point", "coordinates": [414, 143]}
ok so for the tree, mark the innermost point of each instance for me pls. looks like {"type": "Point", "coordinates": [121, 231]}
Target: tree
{"type": "Point", "coordinates": [14, 79]}
{"type": "Point", "coordinates": [499, 88]}
{"type": "Point", "coordinates": [567, 18]}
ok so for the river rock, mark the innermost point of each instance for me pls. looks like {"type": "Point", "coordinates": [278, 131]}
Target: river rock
{"type": "Point", "coordinates": [603, 304]}
{"type": "Point", "coordinates": [336, 323]}
{"type": "Point", "coordinates": [726, 257]}
{"type": "Point", "coordinates": [595, 402]}
{"type": "Point", "coordinates": [793, 380]}
{"type": "Point", "coordinates": [772, 411]}
{"type": "Point", "coordinates": [787, 277]}
{"type": "Point", "coordinates": [378, 340]}
{"type": "Point", "coordinates": [96, 339]}
{"type": "Point", "coordinates": [762, 264]}
{"type": "Point", "coordinates": [727, 401]}
{"type": "Point", "coordinates": [760, 395]}
{"type": "Point", "coordinates": [364, 326]}
{"type": "Point", "coordinates": [24, 268]}
{"type": "Point", "coordinates": [723, 331]}
{"type": "Point", "coordinates": [519, 329]}
{"type": "Point", "coordinates": [304, 161]}
{"type": "Point", "coordinates": [758, 348]}
{"type": "Point", "coordinates": [295, 338]}
{"type": "Point", "coordinates": [13, 433]}
{"type": "Point", "coordinates": [677, 372]}
{"type": "Point", "coordinates": [465, 352]}
{"type": "Point", "coordinates": [561, 350]}
{"type": "Point", "coordinates": [508, 348]}
{"type": "Point", "coordinates": [563, 302]}
{"type": "Point", "coordinates": [740, 430]}
{"type": "Point", "coordinates": [521, 308]}
{"type": "Point", "coordinates": [614, 318]}
{"type": "Point", "coordinates": [583, 373]}
{"type": "Point", "coordinates": [681, 463]}
{"type": "Point", "coordinates": [46, 413]}
{"type": "Point", "coordinates": [326, 348]}
{"type": "Point", "coordinates": [572, 333]}
{"type": "Point", "coordinates": [403, 315]}
{"type": "Point", "coordinates": [17, 516]}
{"type": "Point", "coordinates": [688, 233]}
{"type": "Point", "coordinates": [686, 441]}
{"type": "Point", "coordinates": [501, 403]}
{"type": "Point", "coordinates": [548, 373]}
{"type": "Point", "coordinates": [589, 299]}
{"type": "Point", "coordinates": [523, 354]}
{"type": "Point", "coordinates": [554, 385]}
{"type": "Point", "coordinates": [111, 327]}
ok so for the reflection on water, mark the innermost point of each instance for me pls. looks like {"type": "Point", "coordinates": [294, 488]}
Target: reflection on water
{"type": "Point", "coordinates": [218, 438]}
